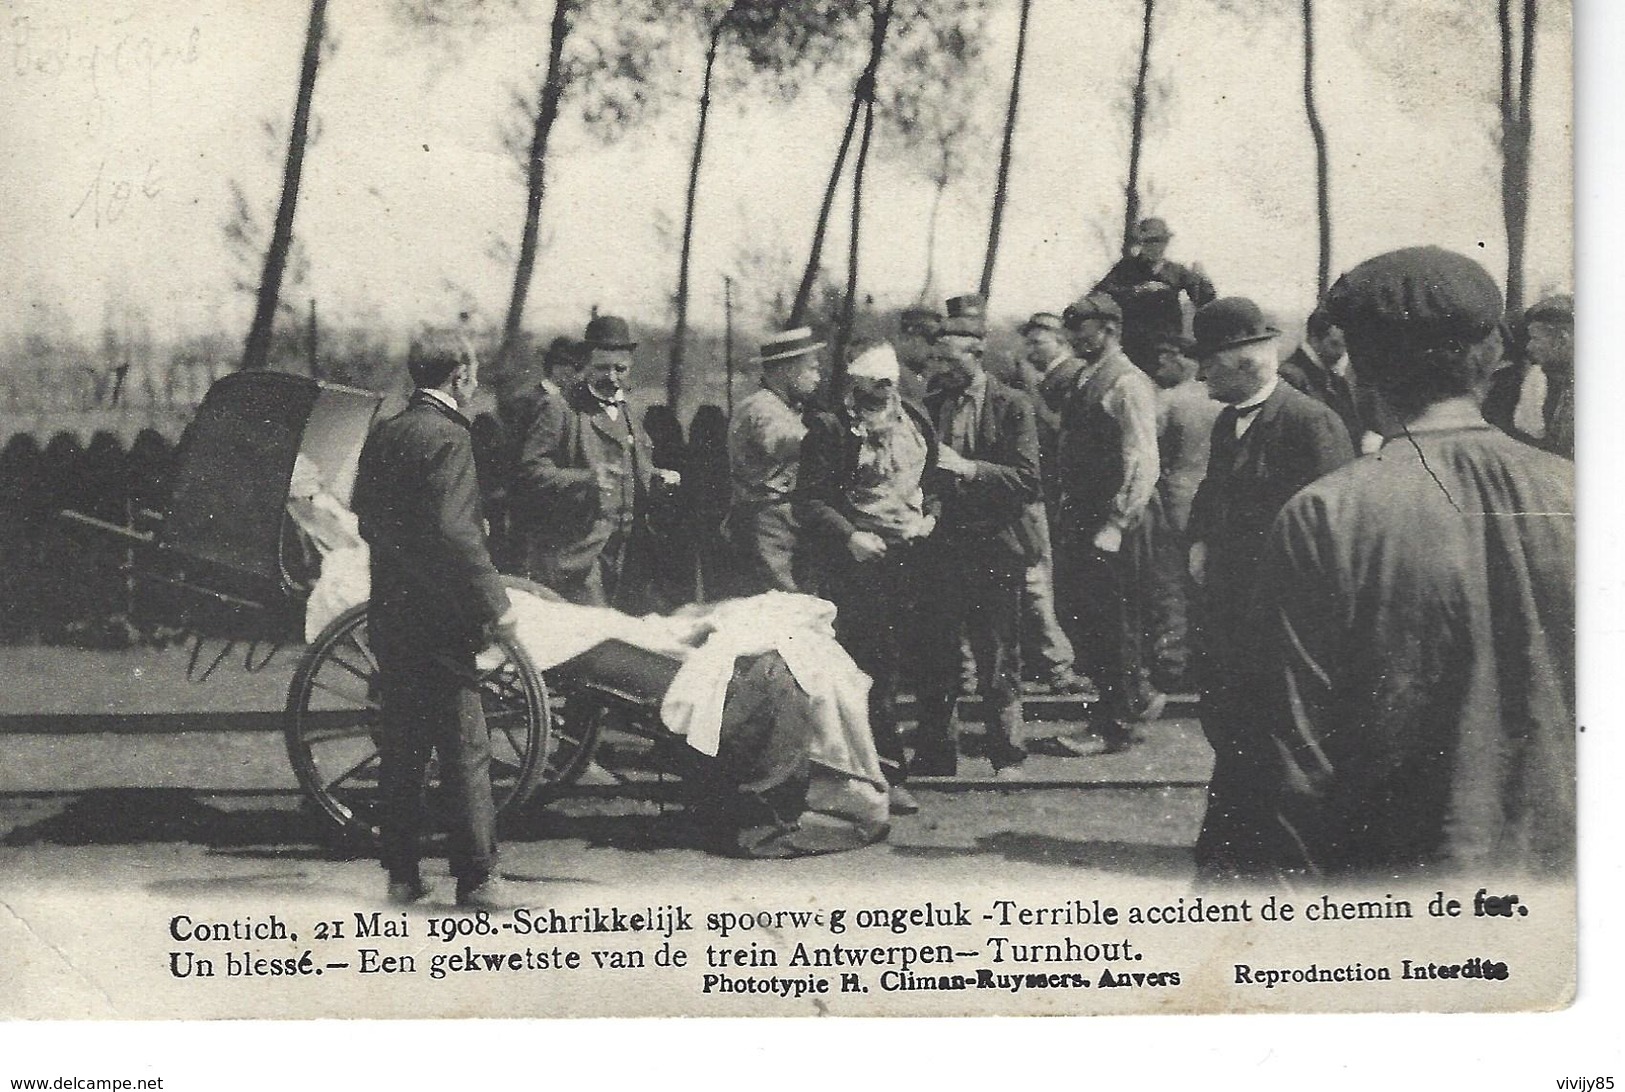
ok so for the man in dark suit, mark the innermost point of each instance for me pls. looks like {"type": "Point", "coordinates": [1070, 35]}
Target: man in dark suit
{"type": "Point", "coordinates": [584, 475]}
{"type": "Point", "coordinates": [1147, 287]}
{"type": "Point", "coordinates": [1319, 368]}
{"type": "Point", "coordinates": [987, 457]}
{"type": "Point", "coordinates": [435, 595]}
{"type": "Point", "coordinates": [1270, 441]}
{"type": "Point", "coordinates": [864, 509]}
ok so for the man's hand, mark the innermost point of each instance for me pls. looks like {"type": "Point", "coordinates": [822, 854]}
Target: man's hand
{"type": "Point", "coordinates": [669, 478]}
{"type": "Point", "coordinates": [1198, 563]}
{"type": "Point", "coordinates": [955, 463]}
{"type": "Point", "coordinates": [1109, 539]}
{"type": "Point", "coordinates": [865, 546]}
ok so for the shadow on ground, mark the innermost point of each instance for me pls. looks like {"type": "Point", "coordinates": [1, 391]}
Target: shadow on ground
{"type": "Point", "coordinates": [1152, 861]}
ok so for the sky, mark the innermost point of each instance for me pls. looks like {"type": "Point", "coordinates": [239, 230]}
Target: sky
{"type": "Point", "coordinates": [126, 126]}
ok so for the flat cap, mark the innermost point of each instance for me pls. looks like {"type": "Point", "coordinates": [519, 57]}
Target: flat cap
{"type": "Point", "coordinates": [1152, 227]}
{"type": "Point", "coordinates": [1043, 320]}
{"type": "Point", "coordinates": [967, 306]}
{"type": "Point", "coordinates": [1094, 305]}
{"type": "Point", "coordinates": [1558, 310]}
{"type": "Point", "coordinates": [1226, 323]}
{"type": "Point", "coordinates": [1423, 295]}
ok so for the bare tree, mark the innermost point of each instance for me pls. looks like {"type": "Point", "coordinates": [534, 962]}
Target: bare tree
{"type": "Point", "coordinates": [257, 348]}
{"type": "Point", "coordinates": [547, 112]}
{"type": "Point", "coordinates": [938, 133]}
{"type": "Point", "coordinates": [1517, 129]}
{"type": "Point", "coordinates": [1317, 133]}
{"type": "Point", "coordinates": [1137, 118]}
{"type": "Point", "coordinates": [1001, 184]}
{"type": "Point", "coordinates": [863, 93]}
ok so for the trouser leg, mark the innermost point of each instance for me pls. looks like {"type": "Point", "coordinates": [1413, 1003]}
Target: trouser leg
{"type": "Point", "coordinates": [405, 742]}
{"type": "Point", "coordinates": [868, 598]}
{"type": "Point", "coordinates": [1042, 635]}
{"type": "Point", "coordinates": [994, 623]}
{"type": "Point", "coordinates": [940, 612]}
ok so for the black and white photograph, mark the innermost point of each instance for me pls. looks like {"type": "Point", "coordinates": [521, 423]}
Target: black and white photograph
{"type": "Point", "coordinates": [777, 508]}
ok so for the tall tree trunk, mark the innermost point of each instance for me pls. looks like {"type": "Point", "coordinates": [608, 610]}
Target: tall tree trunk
{"type": "Point", "coordinates": [863, 92]}
{"type": "Point", "coordinates": [547, 112]}
{"type": "Point", "coordinates": [1517, 130]}
{"type": "Point", "coordinates": [1136, 139]}
{"type": "Point", "coordinates": [1323, 179]}
{"type": "Point", "coordinates": [679, 341]}
{"type": "Point", "coordinates": [849, 306]}
{"type": "Point", "coordinates": [257, 349]}
{"type": "Point", "coordinates": [1003, 181]}
{"type": "Point", "coordinates": [931, 225]}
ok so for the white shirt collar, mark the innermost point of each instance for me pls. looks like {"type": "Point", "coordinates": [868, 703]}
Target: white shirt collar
{"type": "Point", "coordinates": [1262, 396]}
{"type": "Point", "coordinates": [442, 397]}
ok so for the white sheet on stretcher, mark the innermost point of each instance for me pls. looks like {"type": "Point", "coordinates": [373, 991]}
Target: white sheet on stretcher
{"type": "Point", "coordinates": [706, 638]}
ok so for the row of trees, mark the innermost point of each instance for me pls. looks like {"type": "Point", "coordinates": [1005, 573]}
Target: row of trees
{"type": "Point", "coordinates": [603, 60]}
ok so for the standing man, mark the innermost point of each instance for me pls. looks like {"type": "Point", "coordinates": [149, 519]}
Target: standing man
{"type": "Point", "coordinates": [1147, 287]}
{"type": "Point", "coordinates": [584, 475]}
{"type": "Point", "coordinates": [987, 457]}
{"type": "Point", "coordinates": [1421, 607]}
{"type": "Point", "coordinates": [764, 453]}
{"type": "Point", "coordinates": [1106, 472]}
{"type": "Point", "coordinates": [1535, 401]}
{"type": "Point", "coordinates": [1270, 441]}
{"type": "Point", "coordinates": [1185, 418]}
{"type": "Point", "coordinates": [435, 598]}
{"type": "Point", "coordinates": [1319, 368]}
{"type": "Point", "coordinates": [862, 504]}
{"type": "Point", "coordinates": [1048, 358]}
{"type": "Point", "coordinates": [917, 328]}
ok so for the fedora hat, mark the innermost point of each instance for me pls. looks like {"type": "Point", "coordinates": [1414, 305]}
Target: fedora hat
{"type": "Point", "coordinates": [609, 332]}
{"type": "Point", "coordinates": [1224, 324]}
{"type": "Point", "coordinates": [789, 344]}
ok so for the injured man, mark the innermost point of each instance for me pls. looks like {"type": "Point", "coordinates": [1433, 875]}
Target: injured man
{"type": "Point", "coordinates": [759, 685]}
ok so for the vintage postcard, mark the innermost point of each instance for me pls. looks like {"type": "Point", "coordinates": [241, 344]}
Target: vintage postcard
{"type": "Point", "coordinates": [550, 508]}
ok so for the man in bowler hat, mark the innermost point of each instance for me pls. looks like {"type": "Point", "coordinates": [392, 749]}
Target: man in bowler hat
{"type": "Point", "coordinates": [436, 597]}
{"type": "Point", "coordinates": [1269, 441]}
{"type": "Point", "coordinates": [584, 475]}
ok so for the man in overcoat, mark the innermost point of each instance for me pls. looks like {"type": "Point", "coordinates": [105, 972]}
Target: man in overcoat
{"type": "Point", "coordinates": [1269, 441]}
{"type": "Point", "coordinates": [583, 480]}
{"type": "Point", "coordinates": [864, 506]}
{"type": "Point", "coordinates": [1421, 608]}
{"type": "Point", "coordinates": [435, 598]}
{"type": "Point", "coordinates": [987, 459]}
{"type": "Point", "coordinates": [1147, 287]}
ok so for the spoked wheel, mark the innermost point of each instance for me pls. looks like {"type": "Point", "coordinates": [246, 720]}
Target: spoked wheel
{"type": "Point", "coordinates": [333, 727]}
{"type": "Point", "coordinates": [577, 722]}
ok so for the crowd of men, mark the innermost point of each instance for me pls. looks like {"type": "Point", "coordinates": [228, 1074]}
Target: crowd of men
{"type": "Point", "coordinates": [1383, 645]}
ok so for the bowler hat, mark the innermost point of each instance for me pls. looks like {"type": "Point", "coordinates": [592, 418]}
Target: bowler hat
{"type": "Point", "coordinates": [1422, 295]}
{"type": "Point", "coordinates": [1043, 320]}
{"type": "Point", "coordinates": [609, 332]}
{"type": "Point", "coordinates": [1152, 227]}
{"type": "Point", "coordinates": [1224, 324]}
{"type": "Point", "coordinates": [789, 344]}
{"type": "Point", "coordinates": [1095, 305]}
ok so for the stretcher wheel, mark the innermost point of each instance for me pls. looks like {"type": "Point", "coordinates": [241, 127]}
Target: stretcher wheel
{"type": "Point", "coordinates": [332, 725]}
